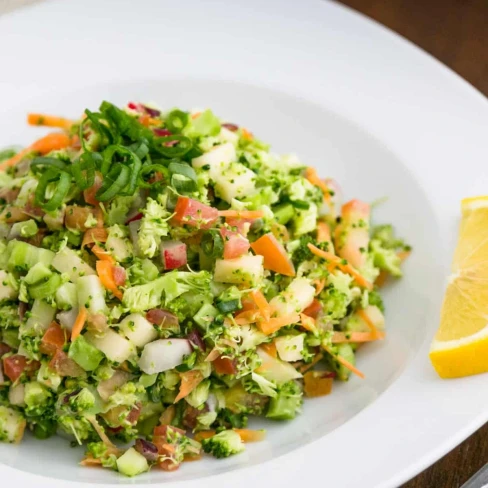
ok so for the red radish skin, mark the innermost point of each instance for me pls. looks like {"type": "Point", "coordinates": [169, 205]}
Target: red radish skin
{"type": "Point", "coordinates": [235, 245]}
{"type": "Point", "coordinates": [173, 254]}
{"type": "Point", "coordinates": [194, 213]}
{"type": "Point", "coordinates": [119, 275]}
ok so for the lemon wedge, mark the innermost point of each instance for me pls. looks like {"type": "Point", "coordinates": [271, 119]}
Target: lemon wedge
{"type": "Point", "coordinates": [460, 346]}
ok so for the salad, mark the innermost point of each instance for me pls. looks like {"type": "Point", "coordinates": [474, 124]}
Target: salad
{"type": "Point", "coordinates": [165, 277]}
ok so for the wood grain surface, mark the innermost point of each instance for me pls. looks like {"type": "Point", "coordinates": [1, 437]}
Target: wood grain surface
{"type": "Point", "coordinates": [456, 33]}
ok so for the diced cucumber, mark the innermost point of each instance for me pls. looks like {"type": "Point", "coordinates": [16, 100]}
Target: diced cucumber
{"type": "Point", "coordinates": [37, 273]}
{"type": "Point", "coordinates": [91, 294]}
{"type": "Point", "coordinates": [138, 330]}
{"type": "Point", "coordinates": [132, 463]}
{"type": "Point", "coordinates": [66, 296]}
{"type": "Point", "coordinates": [68, 262]}
{"type": "Point", "coordinates": [27, 228]}
{"type": "Point", "coordinates": [46, 289]}
{"type": "Point", "coordinates": [7, 289]}
{"type": "Point", "coordinates": [205, 316]}
{"type": "Point", "coordinates": [244, 270]}
{"type": "Point", "coordinates": [12, 425]}
{"type": "Point", "coordinates": [24, 256]}
{"type": "Point", "coordinates": [283, 213]}
{"type": "Point", "coordinates": [41, 316]}
{"type": "Point", "coordinates": [11, 338]}
{"type": "Point", "coordinates": [84, 354]}
{"type": "Point", "coordinates": [113, 345]}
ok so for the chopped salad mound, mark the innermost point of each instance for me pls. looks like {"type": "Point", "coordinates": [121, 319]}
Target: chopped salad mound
{"type": "Point", "coordinates": [165, 278]}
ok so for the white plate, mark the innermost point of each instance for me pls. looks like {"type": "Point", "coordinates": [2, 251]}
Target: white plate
{"type": "Point", "coordinates": [349, 97]}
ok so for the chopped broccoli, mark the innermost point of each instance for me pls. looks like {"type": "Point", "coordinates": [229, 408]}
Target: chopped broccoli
{"type": "Point", "coordinates": [154, 225]}
{"type": "Point", "coordinates": [385, 258]}
{"type": "Point", "coordinates": [374, 298]}
{"type": "Point", "coordinates": [37, 398]}
{"type": "Point", "coordinates": [337, 296]}
{"type": "Point", "coordinates": [118, 209]}
{"type": "Point", "coordinates": [100, 451]}
{"type": "Point", "coordinates": [10, 315]}
{"type": "Point", "coordinates": [224, 444]}
{"type": "Point", "coordinates": [385, 234]}
{"type": "Point", "coordinates": [287, 403]}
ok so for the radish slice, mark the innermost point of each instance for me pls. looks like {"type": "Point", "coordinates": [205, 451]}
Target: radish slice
{"type": "Point", "coordinates": [164, 354]}
{"type": "Point", "coordinates": [173, 254]}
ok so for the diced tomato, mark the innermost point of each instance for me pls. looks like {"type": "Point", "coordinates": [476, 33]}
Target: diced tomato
{"type": "Point", "coordinates": [194, 213]}
{"type": "Point", "coordinates": [134, 414]}
{"type": "Point", "coordinates": [54, 338]}
{"type": "Point", "coordinates": [89, 193]}
{"type": "Point", "coordinates": [4, 349]}
{"type": "Point", "coordinates": [65, 366]}
{"type": "Point", "coordinates": [235, 245]}
{"type": "Point", "coordinates": [313, 309]}
{"type": "Point", "coordinates": [13, 366]}
{"type": "Point", "coordinates": [224, 366]}
{"type": "Point", "coordinates": [120, 275]}
{"type": "Point", "coordinates": [173, 254]}
{"type": "Point", "coordinates": [137, 216]}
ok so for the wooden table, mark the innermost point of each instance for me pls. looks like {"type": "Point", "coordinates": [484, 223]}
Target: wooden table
{"type": "Point", "coordinates": [455, 32]}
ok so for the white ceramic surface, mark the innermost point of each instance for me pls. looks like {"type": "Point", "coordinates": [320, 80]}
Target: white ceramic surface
{"type": "Point", "coordinates": [349, 97]}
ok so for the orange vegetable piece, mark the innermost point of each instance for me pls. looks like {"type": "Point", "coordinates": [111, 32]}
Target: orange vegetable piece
{"type": "Point", "coordinates": [105, 270]}
{"type": "Point", "coordinates": [276, 323]}
{"type": "Point", "coordinates": [224, 366]}
{"type": "Point", "coordinates": [248, 435]}
{"type": "Point", "coordinates": [51, 142]}
{"type": "Point", "coordinates": [315, 384]}
{"type": "Point", "coordinates": [102, 255]}
{"type": "Point", "coordinates": [275, 257]}
{"type": "Point", "coordinates": [270, 348]}
{"type": "Point", "coordinates": [79, 323]}
{"type": "Point", "coordinates": [49, 121]}
{"type": "Point", "coordinates": [189, 381]}
{"type": "Point", "coordinates": [262, 304]}
{"type": "Point", "coordinates": [308, 323]}
{"type": "Point", "coordinates": [54, 338]}
{"type": "Point", "coordinates": [96, 234]}
{"type": "Point", "coordinates": [241, 214]}
{"type": "Point", "coordinates": [340, 337]}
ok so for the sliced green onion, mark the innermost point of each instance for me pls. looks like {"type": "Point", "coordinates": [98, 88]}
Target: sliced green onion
{"type": "Point", "coordinates": [140, 149]}
{"type": "Point", "coordinates": [212, 244]}
{"type": "Point", "coordinates": [301, 204]}
{"type": "Point", "coordinates": [182, 169]}
{"type": "Point", "coordinates": [134, 175]}
{"type": "Point", "coordinates": [83, 169]}
{"type": "Point", "coordinates": [177, 120]}
{"type": "Point", "coordinates": [63, 183]}
{"type": "Point", "coordinates": [151, 168]}
{"type": "Point", "coordinates": [97, 126]}
{"type": "Point", "coordinates": [182, 146]}
{"type": "Point", "coordinates": [183, 177]}
{"type": "Point", "coordinates": [47, 162]}
{"type": "Point", "coordinates": [114, 182]}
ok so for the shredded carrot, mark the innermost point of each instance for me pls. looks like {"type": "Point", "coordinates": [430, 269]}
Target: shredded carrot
{"type": "Point", "coordinates": [308, 323]}
{"type": "Point", "coordinates": [270, 348]}
{"type": "Point", "coordinates": [319, 285]}
{"type": "Point", "coordinates": [97, 234]}
{"type": "Point", "coordinates": [368, 322]}
{"type": "Point", "coordinates": [105, 270]}
{"type": "Point", "coordinates": [79, 323]}
{"type": "Point", "coordinates": [241, 214]}
{"type": "Point", "coordinates": [49, 121]}
{"type": "Point", "coordinates": [341, 337]}
{"type": "Point", "coordinates": [189, 381]}
{"type": "Point", "coordinates": [195, 115]}
{"type": "Point", "coordinates": [247, 317]}
{"type": "Point", "coordinates": [345, 268]}
{"type": "Point", "coordinates": [381, 279]}
{"type": "Point", "coordinates": [315, 360]}
{"type": "Point", "coordinates": [51, 142]}
{"type": "Point", "coordinates": [204, 434]}
{"type": "Point", "coordinates": [274, 324]}
{"type": "Point", "coordinates": [246, 134]}
{"type": "Point", "coordinates": [102, 255]}
{"type": "Point", "coordinates": [262, 304]}
{"type": "Point", "coordinates": [345, 363]}
{"type": "Point", "coordinates": [312, 176]}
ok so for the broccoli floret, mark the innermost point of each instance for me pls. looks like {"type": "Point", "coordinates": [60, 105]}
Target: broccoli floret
{"type": "Point", "coordinates": [10, 316]}
{"type": "Point", "coordinates": [374, 298]}
{"type": "Point", "coordinates": [229, 419]}
{"type": "Point", "coordinates": [181, 446]}
{"type": "Point", "coordinates": [142, 271]}
{"type": "Point", "coordinates": [99, 450]}
{"type": "Point", "coordinates": [385, 234]}
{"type": "Point", "coordinates": [38, 399]}
{"type": "Point", "coordinates": [224, 444]}
{"type": "Point", "coordinates": [287, 403]}
{"type": "Point", "coordinates": [385, 258]}
{"type": "Point", "coordinates": [337, 296]}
